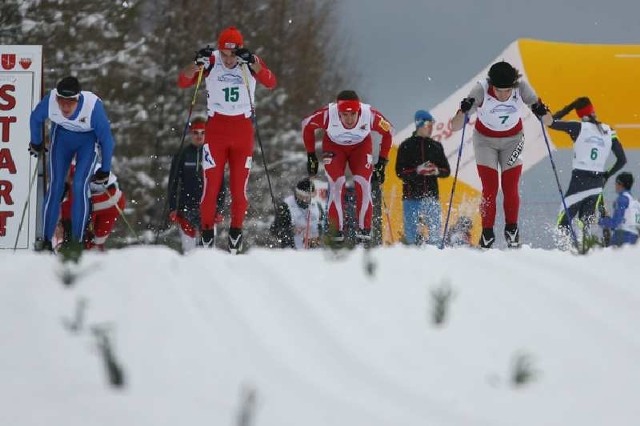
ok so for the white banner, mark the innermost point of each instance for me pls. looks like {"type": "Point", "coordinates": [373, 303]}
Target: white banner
{"type": "Point", "coordinates": [20, 91]}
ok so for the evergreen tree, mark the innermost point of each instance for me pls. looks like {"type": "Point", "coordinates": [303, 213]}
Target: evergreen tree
{"type": "Point", "coordinates": [10, 22]}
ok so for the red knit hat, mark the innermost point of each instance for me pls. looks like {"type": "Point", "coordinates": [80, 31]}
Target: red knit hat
{"type": "Point", "coordinates": [230, 38]}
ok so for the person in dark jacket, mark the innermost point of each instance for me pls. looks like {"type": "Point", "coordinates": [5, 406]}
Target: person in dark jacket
{"type": "Point", "coordinates": [300, 218]}
{"type": "Point", "coordinates": [185, 187]}
{"type": "Point", "coordinates": [420, 163]}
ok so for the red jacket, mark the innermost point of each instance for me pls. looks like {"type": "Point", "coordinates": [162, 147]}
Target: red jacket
{"type": "Point", "coordinates": [320, 120]}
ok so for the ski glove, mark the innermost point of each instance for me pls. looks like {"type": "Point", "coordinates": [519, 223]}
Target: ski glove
{"type": "Point", "coordinates": [245, 56]}
{"type": "Point", "coordinates": [312, 164]}
{"type": "Point", "coordinates": [466, 104]}
{"type": "Point", "coordinates": [35, 150]}
{"type": "Point", "coordinates": [203, 56]}
{"type": "Point", "coordinates": [539, 109]}
{"type": "Point", "coordinates": [378, 170]}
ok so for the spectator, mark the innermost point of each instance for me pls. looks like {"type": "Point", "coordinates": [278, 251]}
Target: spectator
{"type": "Point", "coordinates": [421, 161]}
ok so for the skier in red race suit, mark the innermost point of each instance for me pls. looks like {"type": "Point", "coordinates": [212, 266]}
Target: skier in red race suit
{"type": "Point", "coordinates": [347, 125]}
{"type": "Point", "coordinates": [107, 203]}
{"type": "Point", "coordinates": [230, 74]}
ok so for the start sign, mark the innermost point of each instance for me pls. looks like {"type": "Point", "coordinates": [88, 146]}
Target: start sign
{"type": "Point", "coordinates": [20, 91]}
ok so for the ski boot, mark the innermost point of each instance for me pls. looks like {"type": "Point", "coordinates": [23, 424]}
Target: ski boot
{"type": "Point", "coordinates": [208, 238]}
{"type": "Point", "coordinates": [487, 238]}
{"type": "Point", "coordinates": [512, 235]}
{"type": "Point", "coordinates": [235, 240]}
{"type": "Point", "coordinates": [43, 245]}
{"type": "Point", "coordinates": [363, 238]}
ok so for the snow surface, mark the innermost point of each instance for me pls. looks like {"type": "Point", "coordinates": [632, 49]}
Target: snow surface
{"type": "Point", "coordinates": [319, 341]}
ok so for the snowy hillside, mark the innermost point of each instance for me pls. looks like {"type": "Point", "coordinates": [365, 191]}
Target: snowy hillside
{"type": "Point", "coordinates": [303, 338]}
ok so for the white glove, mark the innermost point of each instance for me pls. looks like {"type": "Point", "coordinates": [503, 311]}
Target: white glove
{"type": "Point", "coordinates": [202, 62]}
{"type": "Point", "coordinates": [427, 169]}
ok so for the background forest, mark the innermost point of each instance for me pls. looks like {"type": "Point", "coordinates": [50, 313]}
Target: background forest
{"type": "Point", "coordinates": [130, 52]}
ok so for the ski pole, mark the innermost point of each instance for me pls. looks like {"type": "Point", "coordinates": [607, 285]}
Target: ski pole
{"type": "Point", "coordinates": [606, 232]}
{"type": "Point", "coordinates": [193, 102]}
{"type": "Point", "coordinates": [244, 67]}
{"type": "Point", "coordinates": [26, 204]}
{"type": "Point", "coordinates": [455, 180]}
{"type": "Point", "coordinates": [306, 231]}
{"type": "Point", "coordinates": [564, 202]}
{"type": "Point", "coordinates": [133, 232]}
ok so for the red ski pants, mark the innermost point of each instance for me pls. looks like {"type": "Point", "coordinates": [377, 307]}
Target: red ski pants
{"type": "Point", "coordinates": [228, 139]}
{"type": "Point", "coordinates": [359, 158]}
{"type": "Point", "coordinates": [511, 198]}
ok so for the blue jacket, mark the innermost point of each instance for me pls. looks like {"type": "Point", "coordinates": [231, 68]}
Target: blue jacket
{"type": "Point", "coordinates": [99, 123]}
{"type": "Point", "coordinates": [620, 236]}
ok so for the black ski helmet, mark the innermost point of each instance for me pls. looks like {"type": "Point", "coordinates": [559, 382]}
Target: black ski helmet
{"type": "Point", "coordinates": [625, 179]}
{"type": "Point", "coordinates": [502, 75]}
{"type": "Point", "coordinates": [68, 87]}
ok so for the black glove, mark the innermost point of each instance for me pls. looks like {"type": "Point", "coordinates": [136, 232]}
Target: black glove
{"type": "Point", "coordinates": [245, 55]}
{"type": "Point", "coordinates": [378, 170]}
{"type": "Point", "coordinates": [312, 164]}
{"type": "Point", "coordinates": [466, 104]}
{"type": "Point", "coordinates": [539, 109]}
{"type": "Point", "coordinates": [203, 55]}
{"type": "Point", "coordinates": [101, 178]}
{"type": "Point", "coordinates": [35, 150]}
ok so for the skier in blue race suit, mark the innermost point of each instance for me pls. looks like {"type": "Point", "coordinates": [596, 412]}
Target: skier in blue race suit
{"type": "Point", "coordinates": [626, 213]}
{"type": "Point", "coordinates": [79, 125]}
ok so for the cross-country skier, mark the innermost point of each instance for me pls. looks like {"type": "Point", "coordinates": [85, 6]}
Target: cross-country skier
{"type": "Point", "coordinates": [347, 125]}
{"type": "Point", "coordinates": [498, 140]}
{"type": "Point", "coordinates": [593, 142]}
{"type": "Point", "coordinates": [626, 213]}
{"type": "Point", "coordinates": [185, 187]}
{"type": "Point", "coordinates": [230, 74]}
{"type": "Point", "coordinates": [300, 218]}
{"type": "Point", "coordinates": [79, 126]}
{"type": "Point", "coordinates": [107, 203]}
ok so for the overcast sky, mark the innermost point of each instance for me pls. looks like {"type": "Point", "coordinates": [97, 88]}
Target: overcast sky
{"type": "Point", "coordinates": [411, 54]}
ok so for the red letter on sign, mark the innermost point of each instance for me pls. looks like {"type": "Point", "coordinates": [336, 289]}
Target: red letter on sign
{"type": "Point", "coordinates": [5, 192]}
{"type": "Point", "coordinates": [6, 161]}
{"type": "Point", "coordinates": [9, 101]}
{"type": "Point", "coordinates": [4, 126]}
{"type": "Point", "coordinates": [3, 222]}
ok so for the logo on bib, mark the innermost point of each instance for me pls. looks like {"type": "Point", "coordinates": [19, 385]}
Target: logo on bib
{"type": "Point", "coordinates": [207, 159]}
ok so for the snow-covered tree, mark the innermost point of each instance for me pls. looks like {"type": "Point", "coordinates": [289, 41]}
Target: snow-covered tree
{"type": "Point", "coordinates": [10, 21]}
